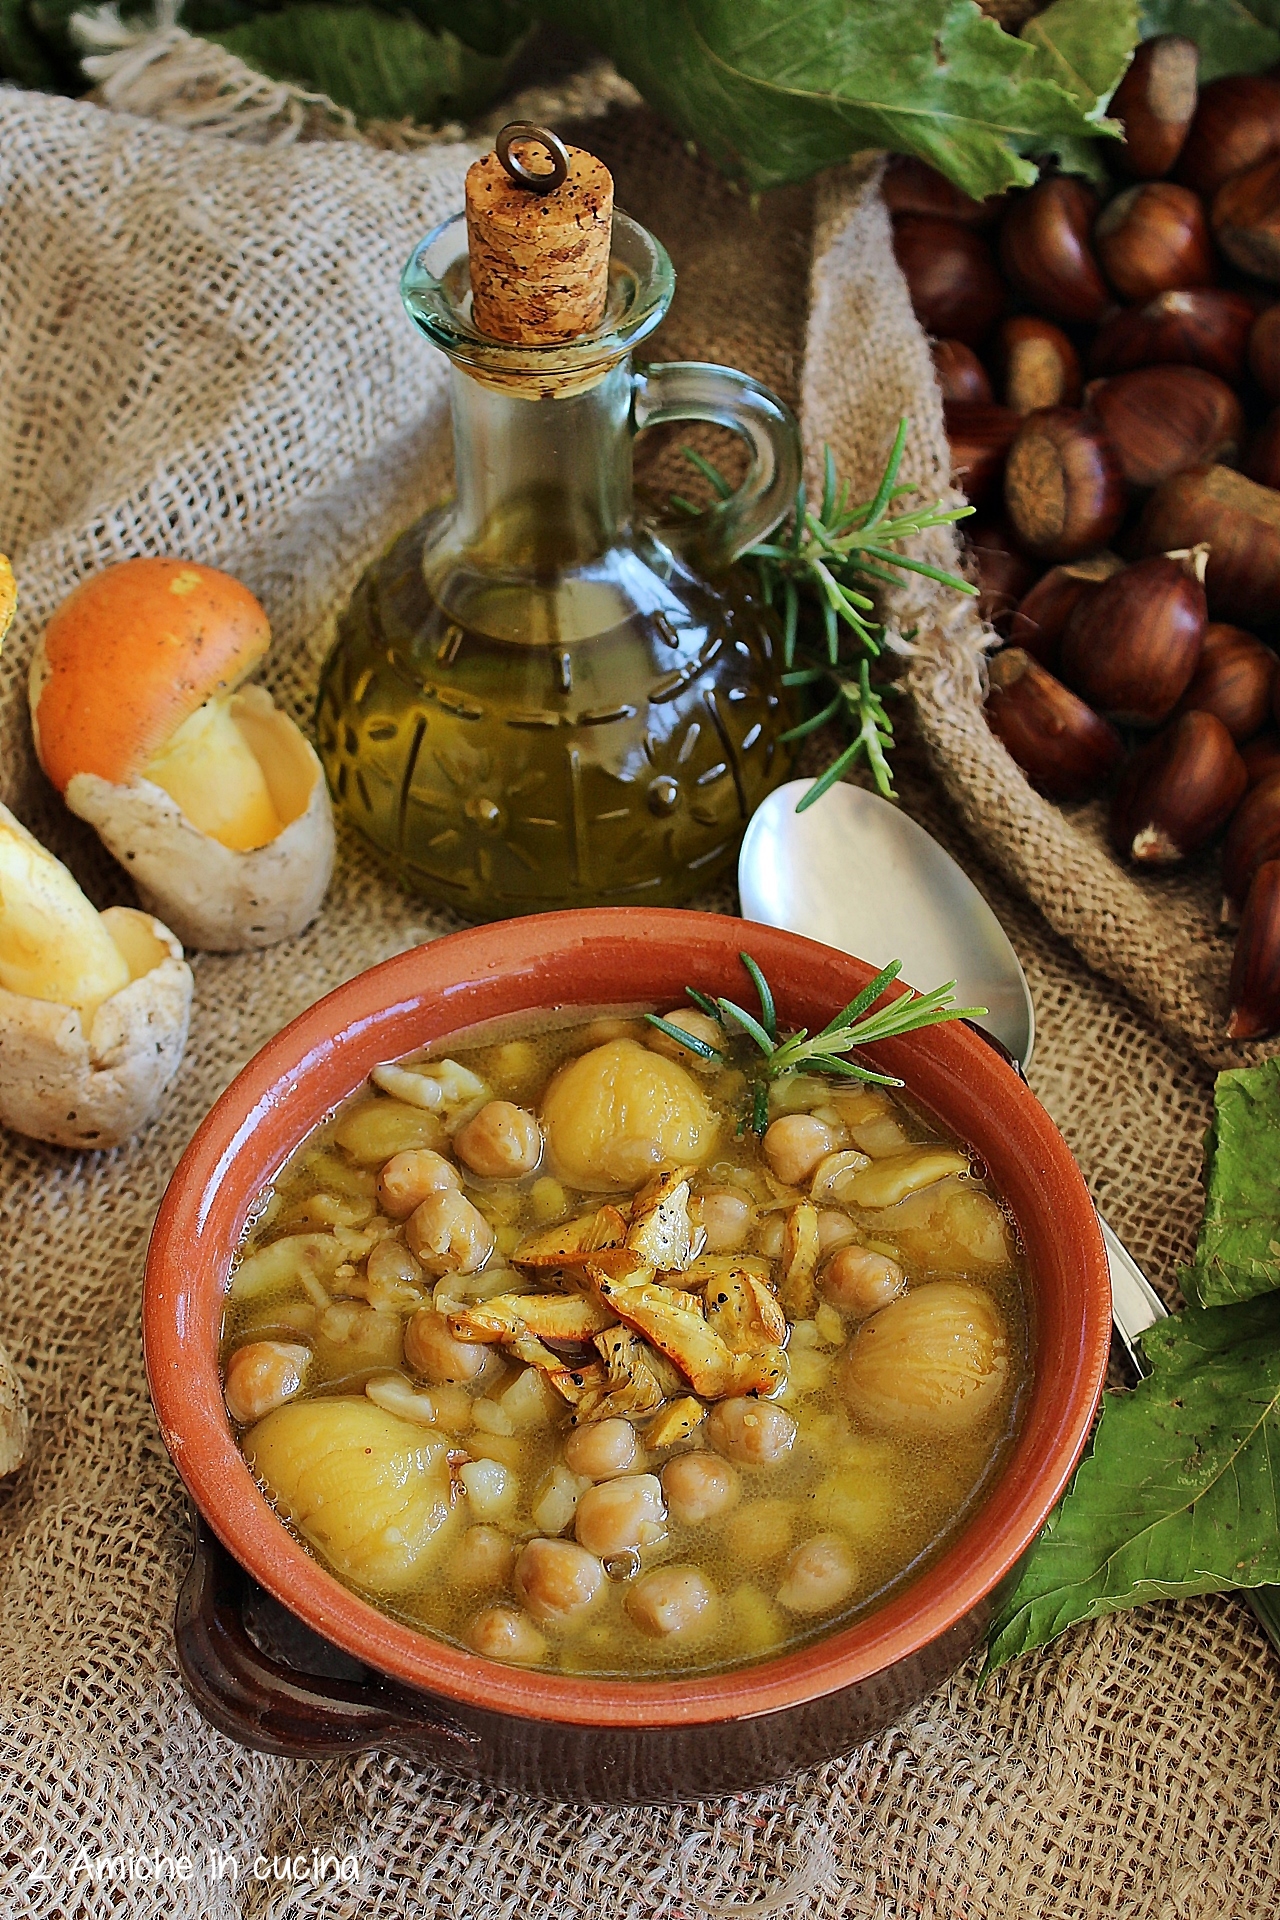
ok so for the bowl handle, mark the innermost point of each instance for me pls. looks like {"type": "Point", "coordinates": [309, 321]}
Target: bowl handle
{"type": "Point", "coordinates": [275, 1707]}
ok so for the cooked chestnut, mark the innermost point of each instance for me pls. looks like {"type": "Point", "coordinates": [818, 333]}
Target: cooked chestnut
{"type": "Point", "coordinates": [1264, 351]}
{"type": "Point", "coordinates": [1232, 680]}
{"type": "Point", "coordinates": [1160, 420]}
{"type": "Point", "coordinates": [951, 275]}
{"type": "Point", "coordinates": [913, 186]}
{"type": "Point", "coordinates": [1004, 571]}
{"type": "Point", "coordinates": [1156, 101]}
{"type": "Point", "coordinates": [980, 438]}
{"type": "Point", "coordinates": [1262, 455]}
{"type": "Point", "coordinates": [1246, 219]}
{"type": "Point", "coordinates": [1132, 647]}
{"type": "Point", "coordinates": [1062, 745]}
{"type": "Point", "coordinates": [1039, 365]}
{"type": "Point", "coordinates": [961, 375]}
{"type": "Point", "coordinates": [1177, 792]}
{"type": "Point", "coordinates": [1261, 755]}
{"type": "Point", "coordinates": [1205, 327]}
{"type": "Point", "coordinates": [1063, 488]}
{"type": "Point", "coordinates": [1153, 238]}
{"type": "Point", "coordinates": [1042, 614]}
{"type": "Point", "coordinates": [1240, 523]}
{"type": "Point", "coordinates": [1254, 992]}
{"type": "Point", "coordinates": [1236, 124]}
{"type": "Point", "coordinates": [1252, 838]}
{"type": "Point", "coordinates": [1046, 250]}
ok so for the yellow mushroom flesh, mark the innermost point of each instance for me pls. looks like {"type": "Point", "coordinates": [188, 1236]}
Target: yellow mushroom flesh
{"type": "Point", "coordinates": [54, 944]}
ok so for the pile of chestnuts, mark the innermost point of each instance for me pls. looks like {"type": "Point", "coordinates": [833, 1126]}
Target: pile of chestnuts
{"type": "Point", "coordinates": [1110, 370]}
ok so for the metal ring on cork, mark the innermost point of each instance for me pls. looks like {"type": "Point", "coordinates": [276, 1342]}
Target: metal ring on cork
{"type": "Point", "coordinates": [515, 167]}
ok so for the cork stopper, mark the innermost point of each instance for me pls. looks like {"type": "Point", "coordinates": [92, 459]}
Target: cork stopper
{"type": "Point", "coordinates": [539, 237]}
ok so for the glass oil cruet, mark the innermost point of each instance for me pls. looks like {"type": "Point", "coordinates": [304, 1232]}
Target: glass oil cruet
{"type": "Point", "coordinates": [536, 697]}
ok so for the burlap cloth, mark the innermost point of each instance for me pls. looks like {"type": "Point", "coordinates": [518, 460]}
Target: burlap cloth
{"type": "Point", "coordinates": [203, 353]}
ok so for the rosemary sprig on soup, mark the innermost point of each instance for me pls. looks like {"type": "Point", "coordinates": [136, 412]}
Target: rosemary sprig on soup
{"type": "Point", "coordinates": [628, 1345]}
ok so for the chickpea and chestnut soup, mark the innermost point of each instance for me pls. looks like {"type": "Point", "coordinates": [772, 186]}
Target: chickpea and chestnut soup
{"type": "Point", "coordinates": [544, 1350]}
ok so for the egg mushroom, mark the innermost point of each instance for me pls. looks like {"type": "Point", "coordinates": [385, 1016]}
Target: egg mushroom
{"type": "Point", "coordinates": [93, 1006]}
{"type": "Point", "coordinates": [205, 792]}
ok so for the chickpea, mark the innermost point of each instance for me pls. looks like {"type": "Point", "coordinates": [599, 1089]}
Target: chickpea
{"type": "Point", "coordinates": [671, 1600]}
{"type": "Point", "coordinates": [448, 1234]}
{"type": "Point", "coordinates": [621, 1515]}
{"type": "Point", "coordinates": [433, 1353]}
{"type": "Point", "coordinates": [724, 1214]}
{"type": "Point", "coordinates": [795, 1143]}
{"type": "Point", "coordinates": [751, 1431]}
{"type": "Point", "coordinates": [557, 1580]}
{"type": "Point", "coordinates": [700, 1025]}
{"type": "Point", "coordinates": [501, 1142]}
{"type": "Point", "coordinates": [410, 1178]}
{"type": "Point", "coordinates": [861, 1281]}
{"type": "Point", "coordinates": [602, 1449]}
{"type": "Point", "coordinates": [262, 1376]}
{"type": "Point", "coordinates": [699, 1487]}
{"type": "Point", "coordinates": [835, 1230]}
{"type": "Point", "coordinates": [818, 1575]}
{"type": "Point", "coordinates": [500, 1633]}
{"type": "Point", "coordinates": [483, 1557]}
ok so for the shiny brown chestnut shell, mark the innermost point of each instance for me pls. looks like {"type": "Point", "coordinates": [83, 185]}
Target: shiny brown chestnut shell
{"type": "Point", "coordinates": [1205, 327]}
{"type": "Point", "coordinates": [1063, 489]}
{"type": "Point", "coordinates": [1238, 520]}
{"type": "Point", "coordinates": [1153, 238]}
{"type": "Point", "coordinates": [980, 438]}
{"type": "Point", "coordinates": [1262, 455]}
{"type": "Point", "coordinates": [1131, 648]}
{"type": "Point", "coordinates": [960, 374]}
{"type": "Point", "coordinates": [1254, 990]}
{"type": "Point", "coordinates": [1264, 351]}
{"type": "Point", "coordinates": [1236, 124]}
{"type": "Point", "coordinates": [1156, 101]}
{"type": "Point", "coordinates": [1261, 755]}
{"type": "Point", "coordinates": [1233, 680]}
{"type": "Point", "coordinates": [1041, 616]}
{"type": "Point", "coordinates": [1177, 792]}
{"type": "Point", "coordinates": [1161, 420]}
{"type": "Point", "coordinates": [913, 186]}
{"type": "Point", "coordinates": [1252, 838]}
{"type": "Point", "coordinates": [1047, 253]}
{"type": "Point", "coordinates": [1004, 572]}
{"type": "Point", "coordinates": [1246, 219]}
{"type": "Point", "coordinates": [1039, 367]}
{"type": "Point", "coordinates": [951, 275]}
{"type": "Point", "coordinates": [1061, 744]}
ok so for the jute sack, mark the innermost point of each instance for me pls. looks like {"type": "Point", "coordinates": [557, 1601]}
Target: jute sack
{"type": "Point", "coordinates": [201, 352]}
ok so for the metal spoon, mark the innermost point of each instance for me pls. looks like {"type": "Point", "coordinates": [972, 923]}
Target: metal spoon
{"type": "Point", "coordinates": [856, 872]}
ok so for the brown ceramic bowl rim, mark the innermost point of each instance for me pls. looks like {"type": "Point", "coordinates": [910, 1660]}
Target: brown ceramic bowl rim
{"type": "Point", "coordinates": [559, 959]}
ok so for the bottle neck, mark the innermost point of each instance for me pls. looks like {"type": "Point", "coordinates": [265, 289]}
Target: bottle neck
{"type": "Point", "coordinates": [543, 486]}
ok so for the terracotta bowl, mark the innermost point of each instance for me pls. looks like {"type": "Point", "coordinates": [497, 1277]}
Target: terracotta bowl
{"type": "Point", "coordinates": [576, 1738]}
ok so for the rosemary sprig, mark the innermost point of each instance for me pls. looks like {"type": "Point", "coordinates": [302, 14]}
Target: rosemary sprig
{"type": "Point", "coordinates": [827, 558]}
{"type": "Point", "coordinates": [860, 1024]}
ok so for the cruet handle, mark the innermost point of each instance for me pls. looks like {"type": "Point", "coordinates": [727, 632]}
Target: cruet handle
{"type": "Point", "coordinates": [696, 390]}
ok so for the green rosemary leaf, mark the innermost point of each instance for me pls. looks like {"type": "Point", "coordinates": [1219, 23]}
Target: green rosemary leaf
{"type": "Point", "coordinates": [849, 1069]}
{"type": "Point", "coordinates": [920, 566]}
{"type": "Point", "coordinates": [768, 1012]}
{"type": "Point", "coordinates": [885, 489]}
{"type": "Point", "coordinates": [760, 1107]}
{"type": "Point", "coordinates": [838, 768]}
{"type": "Point", "coordinates": [791, 620]}
{"type": "Point", "coordinates": [868, 997]}
{"type": "Point", "coordinates": [748, 1022]}
{"type": "Point", "coordinates": [704, 1003]}
{"type": "Point", "coordinates": [828, 480]}
{"type": "Point", "coordinates": [709, 471]}
{"type": "Point", "coordinates": [805, 676]}
{"type": "Point", "coordinates": [816, 720]}
{"type": "Point", "coordinates": [689, 1040]}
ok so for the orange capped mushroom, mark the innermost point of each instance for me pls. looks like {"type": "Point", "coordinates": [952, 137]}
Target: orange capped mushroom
{"type": "Point", "coordinates": [211, 797]}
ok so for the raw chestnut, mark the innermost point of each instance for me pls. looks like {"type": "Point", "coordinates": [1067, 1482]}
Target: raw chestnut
{"type": "Point", "coordinates": [1046, 252]}
{"type": "Point", "coordinates": [1041, 617]}
{"type": "Point", "coordinates": [1254, 992]}
{"type": "Point", "coordinates": [961, 375]}
{"type": "Point", "coordinates": [1063, 488]}
{"type": "Point", "coordinates": [1004, 573]}
{"type": "Point", "coordinates": [1246, 219]}
{"type": "Point", "coordinates": [1264, 351]}
{"type": "Point", "coordinates": [1154, 238]}
{"type": "Point", "coordinates": [1161, 420]}
{"type": "Point", "coordinates": [951, 276]}
{"type": "Point", "coordinates": [1205, 327]}
{"type": "Point", "coordinates": [1232, 680]}
{"type": "Point", "coordinates": [1039, 365]}
{"type": "Point", "coordinates": [1252, 838]}
{"type": "Point", "coordinates": [980, 438]}
{"type": "Point", "coordinates": [1262, 456]}
{"type": "Point", "coordinates": [1177, 792]}
{"type": "Point", "coordinates": [1131, 648]}
{"type": "Point", "coordinates": [1238, 520]}
{"type": "Point", "coordinates": [913, 186]}
{"type": "Point", "coordinates": [1156, 101]}
{"type": "Point", "coordinates": [1062, 745]}
{"type": "Point", "coordinates": [1261, 755]}
{"type": "Point", "coordinates": [1236, 124]}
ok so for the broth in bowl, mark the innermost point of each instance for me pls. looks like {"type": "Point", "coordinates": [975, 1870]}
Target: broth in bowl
{"type": "Point", "coordinates": [542, 1349]}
